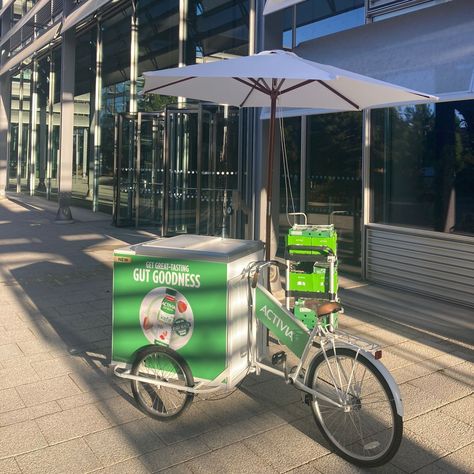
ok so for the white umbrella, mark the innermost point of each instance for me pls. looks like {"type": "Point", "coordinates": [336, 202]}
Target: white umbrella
{"type": "Point", "coordinates": [279, 79]}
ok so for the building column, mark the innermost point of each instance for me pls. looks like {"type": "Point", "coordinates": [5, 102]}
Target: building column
{"type": "Point", "coordinates": [43, 143]}
{"type": "Point", "coordinates": [4, 132]}
{"type": "Point", "coordinates": [20, 134]}
{"type": "Point", "coordinates": [33, 127]}
{"type": "Point", "coordinates": [66, 143]}
{"type": "Point", "coordinates": [133, 58]}
{"type": "Point", "coordinates": [95, 124]}
{"type": "Point", "coordinates": [5, 100]}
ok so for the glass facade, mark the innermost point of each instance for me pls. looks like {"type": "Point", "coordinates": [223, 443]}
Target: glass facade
{"type": "Point", "coordinates": [332, 188]}
{"type": "Point", "coordinates": [316, 19]}
{"type": "Point", "coordinates": [422, 166]}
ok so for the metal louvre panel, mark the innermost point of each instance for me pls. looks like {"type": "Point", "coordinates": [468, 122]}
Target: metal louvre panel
{"type": "Point", "coordinates": [57, 7]}
{"type": "Point", "coordinates": [430, 263]}
{"type": "Point", "coordinates": [43, 17]}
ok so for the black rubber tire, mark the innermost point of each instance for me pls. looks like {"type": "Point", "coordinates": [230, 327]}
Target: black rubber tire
{"type": "Point", "coordinates": [183, 372]}
{"type": "Point", "coordinates": [397, 423]}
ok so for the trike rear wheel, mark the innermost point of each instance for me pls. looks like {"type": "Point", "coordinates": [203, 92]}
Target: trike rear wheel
{"type": "Point", "coordinates": [161, 364]}
{"type": "Point", "coordinates": [363, 425]}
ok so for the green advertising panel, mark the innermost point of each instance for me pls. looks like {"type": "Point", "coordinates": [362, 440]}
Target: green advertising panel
{"type": "Point", "coordinates": [170, 302]}
{"type": "Point", "coordinates": [280, 322]}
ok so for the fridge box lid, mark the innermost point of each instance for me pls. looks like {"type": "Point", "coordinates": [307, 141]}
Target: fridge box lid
{"type": "Point", "coordinates": [195, 247]}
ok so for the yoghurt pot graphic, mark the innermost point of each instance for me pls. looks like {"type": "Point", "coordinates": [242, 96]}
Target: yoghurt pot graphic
{"type": "Point", "coordinates": [183, 324]}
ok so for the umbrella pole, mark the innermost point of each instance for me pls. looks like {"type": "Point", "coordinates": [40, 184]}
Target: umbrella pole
{"type": "Point", "coordinates": [271, 146]}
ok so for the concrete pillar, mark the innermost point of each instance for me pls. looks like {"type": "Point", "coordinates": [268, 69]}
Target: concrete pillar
{"type": "Point", "coordinates": [66, 143]}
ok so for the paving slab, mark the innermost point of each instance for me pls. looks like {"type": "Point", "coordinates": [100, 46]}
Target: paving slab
{"type": "Point", "coordinates": [234, 459]}
{"type": "Point", "coordinates": [68, 424]}
{"type": "Point", "coordinates": [10, 400]}
{"type": "Point", "coordinates": [331, 464]}
{"type": "Point", "coordinates": [462, 409]}
{"type": "Point", "coordinates": [118, 409]}
{"type": "Point", "coordinates": [130, 466]}
{"type": "Point", "coordinates": [190, 424]}
{"type": "Point", "coordinates": [9, 466]}
{"type": "Point", "coordinates": [458, 462]}
{"type": "Point", "coordinates": [120, 443]}
{"type": "Point", "coordinates": [20, 438]}
{"type": "Point", "coordinates": [444, 430]}
{"type": "Point", "coordinates": [28, 413]}
{"type": "Point", "coordinates": [72, 457]}
{"type": "Point", "coordinates": [178, 453]}
{"type": "Point", "coordinates": [285, 448]}
{"type": "Point", "coordinates": [47, 390]}
{"type": "Point", "coordinates": [416, 452]}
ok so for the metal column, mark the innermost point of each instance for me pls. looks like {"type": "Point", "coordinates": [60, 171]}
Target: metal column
{"type": "Point", "coordinates": [50, 105]}
{"type": "Point", "coordinates": [20, 135]}
{"type": "Point", "coordinates": [95, 126]}
{"type": "Point", "coordinates": [33, 126]}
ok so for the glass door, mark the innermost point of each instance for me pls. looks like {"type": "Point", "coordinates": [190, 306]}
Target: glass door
{"type": "Point", "coordinates": [139, 170]}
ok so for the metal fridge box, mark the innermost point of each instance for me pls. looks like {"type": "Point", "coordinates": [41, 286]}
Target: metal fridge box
{"type": "Point", "coordinates": [199, 279]}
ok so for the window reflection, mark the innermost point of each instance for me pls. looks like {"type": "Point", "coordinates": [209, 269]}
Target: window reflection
{"type": "Point", "coordinates": [423, 166]}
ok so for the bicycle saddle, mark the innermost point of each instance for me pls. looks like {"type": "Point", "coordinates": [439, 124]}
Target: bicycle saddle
{"type": "Point", "coordinates": [323, 309]}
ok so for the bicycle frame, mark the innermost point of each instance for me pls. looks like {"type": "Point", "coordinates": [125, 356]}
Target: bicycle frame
{"type": "Point", "coordinates": [297, 338]}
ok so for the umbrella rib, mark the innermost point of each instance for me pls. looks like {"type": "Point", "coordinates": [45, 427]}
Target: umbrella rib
{"type": "Point", "coordinates": [253, 84]}
{"type": "Point", "coordinates": [343, 97]}
{"type": "Point", "coordinates": [171, 83]}
{"type": "Point", "coordinates": [297, 86]}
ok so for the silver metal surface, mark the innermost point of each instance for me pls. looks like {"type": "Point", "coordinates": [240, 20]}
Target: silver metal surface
{"type": "Point", "coordinates": [430, 263]}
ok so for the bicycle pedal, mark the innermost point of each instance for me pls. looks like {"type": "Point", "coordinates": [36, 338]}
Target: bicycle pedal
{"type": "Point", "coordinates": [278, 358]}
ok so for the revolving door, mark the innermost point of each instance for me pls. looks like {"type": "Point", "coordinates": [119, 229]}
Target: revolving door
{"type": "Point", "coordinates": [178, 171]}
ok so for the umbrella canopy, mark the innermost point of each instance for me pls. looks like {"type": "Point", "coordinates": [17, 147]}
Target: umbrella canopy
{"type": "Point", "coordinates": [278, 79]}
{"type": "Point", "coordinates": [250, 80]}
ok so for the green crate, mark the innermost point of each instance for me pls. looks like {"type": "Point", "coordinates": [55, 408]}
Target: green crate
{"type": "Point", "coordinates": [301, 237]}
{"type": "Point", "coordinates": [301, 281]}
{"type": "Point", "coordinates": [324, 238]}
{"type": "Point", "coordinates": [321, 279]}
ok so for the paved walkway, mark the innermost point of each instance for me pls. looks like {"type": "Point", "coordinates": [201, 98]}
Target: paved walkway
{"type": "Point", "coordinates": [61, 410]}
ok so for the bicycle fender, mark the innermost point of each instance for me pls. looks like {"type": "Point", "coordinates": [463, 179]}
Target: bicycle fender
{"type": "Point", "coordinates": [389, 379]}
{"type": "Point", "coordinates": [382, 369]}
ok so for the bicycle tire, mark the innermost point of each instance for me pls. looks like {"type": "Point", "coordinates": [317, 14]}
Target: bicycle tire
{"type": "Point", "coordinates": [162, 363]}
{"type": "Point", "coordinates": [361, 446]}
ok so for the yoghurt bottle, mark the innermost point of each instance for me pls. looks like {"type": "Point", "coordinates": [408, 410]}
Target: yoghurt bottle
{"type": "Point", "coordinates": [165, 318]}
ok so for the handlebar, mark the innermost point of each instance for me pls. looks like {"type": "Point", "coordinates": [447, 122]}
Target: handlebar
{"type": "Point", "coordinates": [257, 267]}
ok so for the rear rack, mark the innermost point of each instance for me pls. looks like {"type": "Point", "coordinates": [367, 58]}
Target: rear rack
{"type": "Point", "coordinates": [358, 341]}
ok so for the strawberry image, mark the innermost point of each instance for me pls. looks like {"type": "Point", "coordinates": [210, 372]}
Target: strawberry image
{"type": "Point", "coordinates": [182, 306]}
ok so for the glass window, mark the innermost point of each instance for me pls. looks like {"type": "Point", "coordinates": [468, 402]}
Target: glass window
{"type": "Point", "coordinates": [84, 85]}
{"type": "Point", "coordinates": [316, 19]}
{"type": "Point", "coordinates": [333, 180]}
{"type": "Point", "coordinates": [116, 39]}
{"type": "Point", "coordinates": [422, 166]}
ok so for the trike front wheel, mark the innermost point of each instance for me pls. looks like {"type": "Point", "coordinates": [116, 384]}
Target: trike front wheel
{"type": "Point", "coordinates": [161, 364]}
{"type": "Point", "coordinates": [362, 423]}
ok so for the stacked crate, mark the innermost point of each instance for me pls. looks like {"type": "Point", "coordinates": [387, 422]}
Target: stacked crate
{"type": "Point", "coordinates": [308, 252]}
